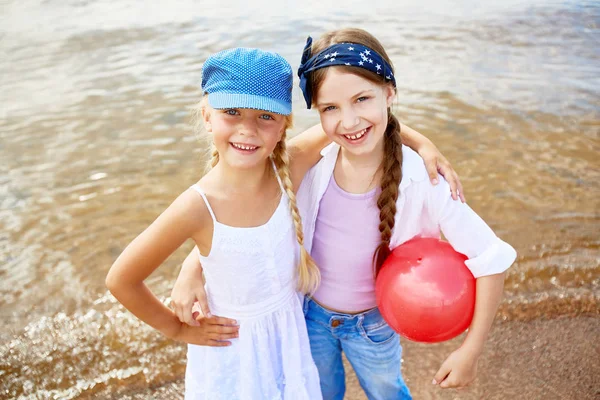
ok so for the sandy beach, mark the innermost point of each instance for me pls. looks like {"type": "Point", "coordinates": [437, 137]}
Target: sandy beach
{"type": "Point", "coordinates": [555, 359]}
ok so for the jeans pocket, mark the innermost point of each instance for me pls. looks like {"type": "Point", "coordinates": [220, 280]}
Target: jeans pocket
{"type": "Point", "coordinates": [378, 334]}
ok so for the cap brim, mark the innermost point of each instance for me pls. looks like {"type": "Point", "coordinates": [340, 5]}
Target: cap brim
{"type": "Point", "coordinates": [237, 100]}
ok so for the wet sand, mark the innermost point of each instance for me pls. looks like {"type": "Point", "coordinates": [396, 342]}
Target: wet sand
{"type": "Point", "coordinates": [542, 359]}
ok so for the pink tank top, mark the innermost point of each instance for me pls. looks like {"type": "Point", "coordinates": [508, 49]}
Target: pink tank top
{"type": "Point", "coordinates": [346, 235]}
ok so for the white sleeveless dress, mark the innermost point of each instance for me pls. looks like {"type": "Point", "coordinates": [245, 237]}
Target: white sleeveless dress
{"type": "Point", "coordinates": [251, 277]}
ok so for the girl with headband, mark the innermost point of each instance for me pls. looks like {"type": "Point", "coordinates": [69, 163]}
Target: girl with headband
{"type": "Point", "coordinates": [368, 179]}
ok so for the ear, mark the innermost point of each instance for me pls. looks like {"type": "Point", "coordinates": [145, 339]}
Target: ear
{"type": "Point", "coordinates": [286, 125]}
{"type": "Point", "coordinates": [390, 94]}
{"type": "Point", "coordinates": [206, 119]}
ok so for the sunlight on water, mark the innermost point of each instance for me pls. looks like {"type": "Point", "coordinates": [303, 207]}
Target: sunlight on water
{"type": "Point", "coordinates": [96, 140]}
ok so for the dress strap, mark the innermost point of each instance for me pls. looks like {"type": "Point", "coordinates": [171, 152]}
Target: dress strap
{"type": "Point", "coordinates": [197, 189]}
{"type": "Point", "coordinates": [278, 178]}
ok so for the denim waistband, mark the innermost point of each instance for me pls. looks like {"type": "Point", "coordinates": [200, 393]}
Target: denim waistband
{"type": "Point", "coordinates": [321, 314]}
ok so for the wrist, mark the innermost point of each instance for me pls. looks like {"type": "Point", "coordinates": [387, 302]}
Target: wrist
{"type": "Point", "coordinates": [413, 139]}
{"type": "Point", "coordinates": [422, 145]}
{"type": "Point", "coordinates": [172, 331]}
{"type": "Point", "coordinates": [473, 347]}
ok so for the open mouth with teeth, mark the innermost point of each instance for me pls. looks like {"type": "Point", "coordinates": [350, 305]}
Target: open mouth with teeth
{"type": "Point", "coordinates": [245, 148]}
{"type": "Point", "coordinates": [357, 136]}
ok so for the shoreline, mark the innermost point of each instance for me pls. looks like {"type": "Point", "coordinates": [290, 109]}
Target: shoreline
{"type": "Point", "coordinates": [546, 359]}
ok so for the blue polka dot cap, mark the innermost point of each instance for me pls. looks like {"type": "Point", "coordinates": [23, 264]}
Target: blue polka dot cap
{"type": "Point", "coordinates": [248, 78]}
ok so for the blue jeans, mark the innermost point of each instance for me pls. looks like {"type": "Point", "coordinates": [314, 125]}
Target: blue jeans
{"type": "Point", "coordinates": [371, 346]}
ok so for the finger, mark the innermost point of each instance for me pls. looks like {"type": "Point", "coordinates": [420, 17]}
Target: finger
{"type": "Point", "coordinates": [221, 329]}
{"type": "Point", "coordinates": [188, 316]}
{"type": "Point", "coordinates": [192, 314]}
{"type": "Point", "coordinates": [461, 191]}
{"type": "Point", "coordinates": [456, 186]}
{"type": "Point", "coordinates": [452, 179]}
{"type": "Point", "coordinates": [203, 302]}
{"type": "Point", "coordinates": [218, 343]}
{"type": "Point", "coordinates": [216, 320]}
{"type": "Point", "coordinates": [442, 373]}
{"type": "Point", "coordinates": [454, 192]}
{"type": "Point", "coordinates": [222, 336]}
{"type": "Point", "coordinates": [449, 382]}
{"type": "Point", "coordinates": [432, 170]}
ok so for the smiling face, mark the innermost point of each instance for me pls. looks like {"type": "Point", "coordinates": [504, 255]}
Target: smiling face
{"type": "Point", "coordinates": [244, 137]}
{"type": "Point", "coordinates": [354, 110]}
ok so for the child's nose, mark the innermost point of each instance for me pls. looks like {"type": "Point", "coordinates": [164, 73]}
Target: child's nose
{"type": "Point", "coordinates": [349, 119]}
{"type": "Point", "coordinates": [248, 127]}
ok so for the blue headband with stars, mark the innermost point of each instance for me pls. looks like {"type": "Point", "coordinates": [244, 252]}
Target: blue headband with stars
{"type": "Point", "coordinates": [348, 54]}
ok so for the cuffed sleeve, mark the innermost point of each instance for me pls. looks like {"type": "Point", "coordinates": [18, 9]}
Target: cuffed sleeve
{"type": "Point", "coordinates": [469, 234]}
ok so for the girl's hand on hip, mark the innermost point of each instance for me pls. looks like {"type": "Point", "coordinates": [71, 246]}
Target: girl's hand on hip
{"type": "Point", "coordinates": [436, 163]}
{"type": "Point", "coordinates": [210, 331]}
{"type": "Point", "coordinates": [458, 370]}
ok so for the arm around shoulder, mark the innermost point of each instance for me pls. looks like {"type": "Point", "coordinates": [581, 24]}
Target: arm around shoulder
{"type": "Point", "coordinates": [305, 151]}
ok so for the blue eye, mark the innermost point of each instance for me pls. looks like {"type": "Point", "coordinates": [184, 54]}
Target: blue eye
{"type": "Point", "coordinates": [267, 117]}
{"type": "Point", "coordinates": [232, 111]}
{"type": "Point", "coordinates": [329, 108]}
{"type": "Point", "coordinates": [362, 98]}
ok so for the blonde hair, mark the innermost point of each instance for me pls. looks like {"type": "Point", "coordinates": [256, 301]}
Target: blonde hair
{"type": "Point", "coordinates": [309, 276]}
{"type": "Point", "coordinates": [391, 165]}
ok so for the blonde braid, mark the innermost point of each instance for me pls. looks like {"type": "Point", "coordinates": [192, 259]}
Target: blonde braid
{"type": "Point", "coordinates": [309, 276]}
{"type": "Point", "coordinates": [214, 158]}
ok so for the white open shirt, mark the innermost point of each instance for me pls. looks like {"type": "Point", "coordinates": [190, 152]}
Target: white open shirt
{"type": "Point", "coordinates": [422, 210]}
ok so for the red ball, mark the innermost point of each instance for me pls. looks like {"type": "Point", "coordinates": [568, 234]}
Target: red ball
{"type": "Point", "coordinates": [425, 291]}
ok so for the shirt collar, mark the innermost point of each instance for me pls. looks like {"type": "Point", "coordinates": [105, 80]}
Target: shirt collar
{"type": "Point", "coordinates": [413, 168]}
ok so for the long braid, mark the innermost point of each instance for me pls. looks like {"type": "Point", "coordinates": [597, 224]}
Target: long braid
{"type": "Point", "coordinates": [309, 276]}
{"type": "Point", "coordinates": [390, 183]}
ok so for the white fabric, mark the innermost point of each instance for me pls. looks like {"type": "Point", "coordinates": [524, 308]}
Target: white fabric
{"type": "Point", "coordinates": [250, 276]}
{"type": "Point", "coordinates": [422, 209]}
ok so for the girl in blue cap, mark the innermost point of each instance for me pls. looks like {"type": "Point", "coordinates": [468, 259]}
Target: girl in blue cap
{"type": "Point", "coordinates": [243, 218]}
{"type": "Point", "coordinates": [367, 195]}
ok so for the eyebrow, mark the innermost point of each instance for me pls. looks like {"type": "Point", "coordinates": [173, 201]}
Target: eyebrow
{"type": "Point", "coordinates": [362, 92]}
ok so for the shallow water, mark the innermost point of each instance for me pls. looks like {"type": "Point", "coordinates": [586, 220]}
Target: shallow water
{"type": "Point", "coordinates": [96, 140]}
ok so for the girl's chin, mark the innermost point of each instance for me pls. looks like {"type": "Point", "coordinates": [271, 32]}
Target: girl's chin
{"type": "Point", "coordinates": [246, 161]}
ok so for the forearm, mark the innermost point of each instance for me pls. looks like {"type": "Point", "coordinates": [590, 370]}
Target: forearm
{"type": "Point", "coordinates": [305, 151]}
{"type": "Point", "coordinates": [489, 291]}
{"type": "Point", "coordinates": [309, 143]}
{"type": "Point", "coordinates": [412, 138]}
{"type": "Point", "coordinates": [142, 303]}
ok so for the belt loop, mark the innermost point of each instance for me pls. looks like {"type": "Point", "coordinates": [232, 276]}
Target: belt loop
{"type": "Point", "coordinates": [305, 304]}
{"type": "Point", "coordinates": [361, 318]}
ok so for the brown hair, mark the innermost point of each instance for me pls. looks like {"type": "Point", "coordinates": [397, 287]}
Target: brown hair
{"type": "Point", "coordinates": [309, 276]}
{"type": "Point", "coordinates": [391, 165]}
